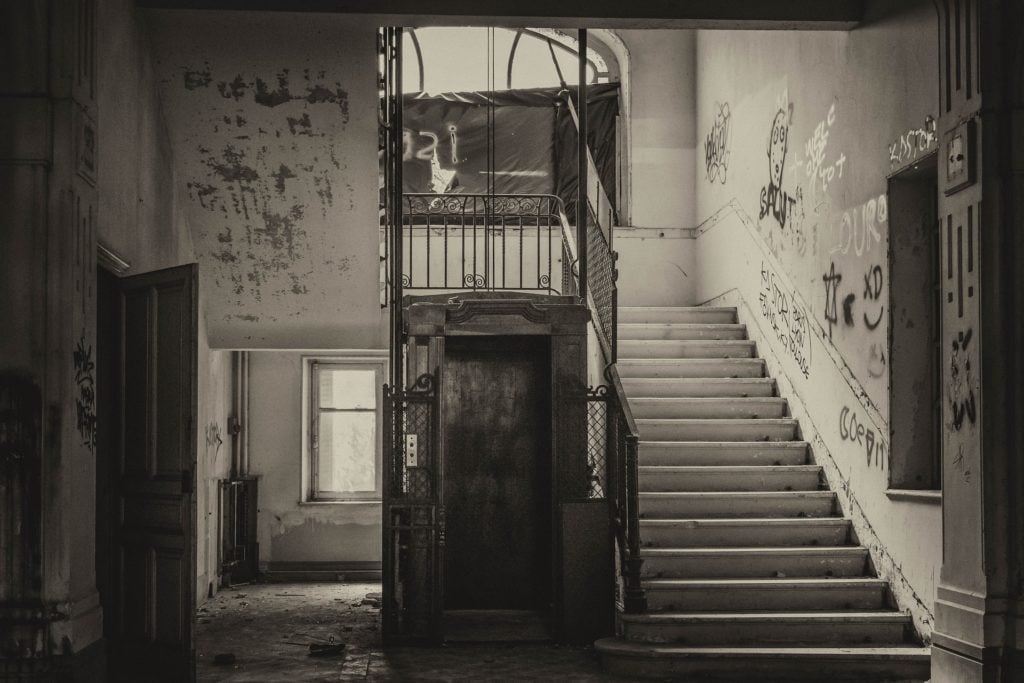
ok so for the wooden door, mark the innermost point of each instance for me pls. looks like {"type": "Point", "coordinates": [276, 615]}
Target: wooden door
{"type": "Point", "coordinates": [156, 530]}
{"type": "Point", "coordinates": [497, 473]}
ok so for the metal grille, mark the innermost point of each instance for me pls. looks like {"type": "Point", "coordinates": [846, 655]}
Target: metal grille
{"type": "Point", "coordinates": [474, 241]}
{"type": "Point", "coordinates": [597, 440]}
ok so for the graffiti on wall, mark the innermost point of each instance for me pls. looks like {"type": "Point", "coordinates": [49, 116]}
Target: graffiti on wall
{"type": "Point", "coordinates": [962, 400]}
{"type": "Point", "coordinates": [858, 228]}
{"type": "Point", "coordinates": [814, 151]}
{"type": "Point", "coordinates": [85, 402]}
{"type": "Point", "coordinates": [716, 145]}
{"type": "Point", "coordinates": [787, 317]}
{"type": "Point", "coordinates": [913, 144]}
{"type": "Point", "coordinates": [869, 311]}
{"type": "Point", "coordinates": [774, 199]}
{"type": "Point", "coordinates": [853, 428]}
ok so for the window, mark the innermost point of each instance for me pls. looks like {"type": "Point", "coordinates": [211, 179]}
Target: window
{"type": "Point", "coordinates": [344, 429]}
{"type": "Point", "coordinates": [915, 379]}
{"type": "Point", "coordinates": [454, 59]}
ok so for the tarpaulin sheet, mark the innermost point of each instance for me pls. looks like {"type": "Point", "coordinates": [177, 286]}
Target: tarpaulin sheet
{"type": "Point", "coordinates": [534, 141]}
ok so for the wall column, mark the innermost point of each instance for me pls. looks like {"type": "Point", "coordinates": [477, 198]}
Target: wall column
{"type": "Point", "coordinates": [978, 634]}
{"type": "Point", "coordinates": [48, 197]}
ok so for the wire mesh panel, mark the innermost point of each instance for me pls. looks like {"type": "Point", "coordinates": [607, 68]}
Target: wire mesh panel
{"type": "Point", "coordinates": [597, 440]}
{"type": "Point", "coordinates": [601, 277]}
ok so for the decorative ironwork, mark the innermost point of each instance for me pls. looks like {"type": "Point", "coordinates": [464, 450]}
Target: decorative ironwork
{"type": "Point", "coordinates": [481, 241]}
{"type": "Point", "coordinates": [613, 453]}
{"type": "Point", "coordinates": [474, 280]}
{"type": "Point", "coordinates": [413, 517]}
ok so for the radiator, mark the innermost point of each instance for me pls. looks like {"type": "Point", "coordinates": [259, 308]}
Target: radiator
{"type": "Point", "coordinates": [239, 547]}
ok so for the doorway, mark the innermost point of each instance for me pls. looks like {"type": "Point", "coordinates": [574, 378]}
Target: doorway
{"type": "Point", "coordinates": [497, 488]}
{"type": "Point", "coordinates": [147, 330]}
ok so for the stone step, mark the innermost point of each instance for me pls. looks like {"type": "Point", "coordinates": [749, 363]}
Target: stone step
{"type": "Point", "coordinates": [735, 595]}
{"type": "Point", "coordinates": [688, 348]}
{"type": "Point", "coordinates": [698, 387]}
{"type": "Point", "coordinates": [701, 664]}
{"type": "Point", "coordinates": [681, 331]}
{"type": "Point", "coordinates": [768, 628]}
{"type": "Point", "coordinates": [716, 430]}
{"type": "Point", "coordinates": [691, 367]}
{"type": "Point", "coordinates": [715, 408]}
{"type": "Point", "coordinates": [735, 563]}
{"type": "Point", "coordinates": [719, 505]}
{"type": "Point", "coordinates": [676, 314]}
{"type": "Point", "coordinates": [744, 533]}
{"type": "Point", "coordinates": [729, 478]}
{"type": "Point", "coordinates": [723, 453]}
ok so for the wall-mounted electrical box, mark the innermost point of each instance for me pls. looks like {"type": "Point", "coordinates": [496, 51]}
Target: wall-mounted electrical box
{"type": "Point", "coordinates": [411, 452]}
{"type": "Point", "coordinates": [959, 146]}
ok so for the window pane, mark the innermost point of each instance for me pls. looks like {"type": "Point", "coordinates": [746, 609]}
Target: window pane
{"type": "Point", "coordinates": [344, 388]}
{"type": "Point", "coordinates": [347, 458]}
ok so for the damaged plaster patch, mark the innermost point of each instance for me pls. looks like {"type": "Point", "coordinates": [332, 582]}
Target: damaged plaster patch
{"type": "Point", "coordinates": [280, 175]}
{"type": "Point", "coordinates": [197, 78]}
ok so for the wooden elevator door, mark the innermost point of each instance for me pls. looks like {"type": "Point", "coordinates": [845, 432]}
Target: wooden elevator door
{"type": "Point", "coordinates": [497, 473]}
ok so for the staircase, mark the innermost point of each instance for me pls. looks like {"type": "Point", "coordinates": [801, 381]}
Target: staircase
{"type": "Point", "coordinates": [750, 570]}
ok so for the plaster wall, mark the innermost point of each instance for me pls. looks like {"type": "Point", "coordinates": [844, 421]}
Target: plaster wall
{"type": "Point", "coordinates": [291, 530]}
{"type": "Point", "coordinates": [662, 132]}
{"type": "Point", "coordinates": [143, 219]}
{"type": "Point", "coordinates": [800, 132]}
{"type": "Point", "coordinates": [275, 138]}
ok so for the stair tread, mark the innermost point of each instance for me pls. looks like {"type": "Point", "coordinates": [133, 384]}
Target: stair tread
{"type": "Point", "coordinates": [694, 445]}
{"type": "Point", "coordinates": [728, 400]}
{"type": "Point", "coordinates": [826, 616]}
{"type": "Point", "coordinates": [703, 326]}
{"type": "Point", "coordinates": [796, 582]}
{"type": "Point", "coordinates": [694, 361]}
{"type": "Point", "coordinates": [826, 550]}
{"type": "Point", "coordinates": [691, 342]}
{"type": "Point", "coordinates": [722, 420]}
{"type": "Point", "coordinates": [728, 469]}
{"type": "Point", "coordinates": [716, 309]}
{"type": "Point", "coordinates": [750, 521]}
{"type": "Point", "coordinates": [774, 652]}
{"type": "Point", "coordinates": [821, 493]}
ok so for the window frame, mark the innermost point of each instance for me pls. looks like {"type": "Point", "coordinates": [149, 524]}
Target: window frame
{"type": "Point", "coordinates": [311, 365]}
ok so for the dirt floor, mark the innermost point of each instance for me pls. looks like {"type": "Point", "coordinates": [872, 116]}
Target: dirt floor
{"type": "Point", "coordinates": [262, 632]}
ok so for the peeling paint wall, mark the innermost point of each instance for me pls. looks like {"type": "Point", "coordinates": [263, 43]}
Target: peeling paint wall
{"type": "Point", "coordinates": [290, 530]}
{"type": "Point", "coordinates": [798, 133]}
{"type": "Point", "coordinates": [274, 126]}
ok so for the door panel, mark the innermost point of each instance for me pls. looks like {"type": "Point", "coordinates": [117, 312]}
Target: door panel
{"type": "Point", "coordinates": [497, 473]}
{"type": "Point", "coordinates": [157, 475]}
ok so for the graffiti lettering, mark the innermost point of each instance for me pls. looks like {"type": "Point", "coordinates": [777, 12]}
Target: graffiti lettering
{"type": "Point", "coordinates": [872, 292]}
{"type": "Point", "coordinates": [814, 150]}
{"type": "Point", "coordinates": [716, 145]}
{"type": "Point", "coordinates": [832, 280]}
{"type": "Point", "coordinates": [852, 428]}
{"type": "Point", "coordinates": [858, 228]}
{"type": "Point", "coordinates": [788, 319]}
{"type": "Point", "coordinates": [961, 390]}
{"type": "Point", "coordinates": [915, 143]}
{"type": "Point", "coordinates": [86, 400]}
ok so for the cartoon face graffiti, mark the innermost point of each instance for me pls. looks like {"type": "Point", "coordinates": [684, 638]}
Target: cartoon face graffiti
{"type": "Point", "coordinates": [777, 147]}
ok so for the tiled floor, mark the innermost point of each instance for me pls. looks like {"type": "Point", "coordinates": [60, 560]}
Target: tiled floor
{"type": "Point", "coordinates": [269, 627]}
